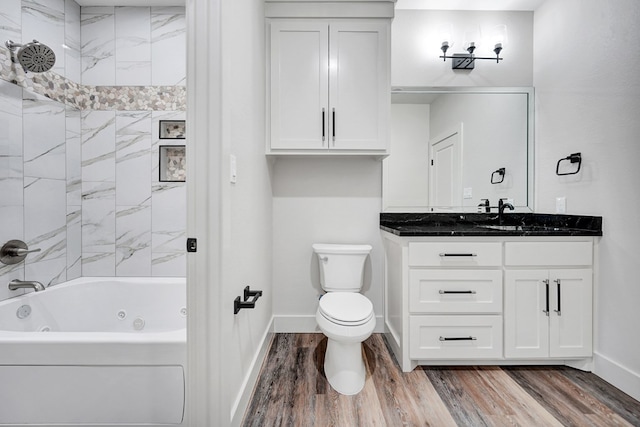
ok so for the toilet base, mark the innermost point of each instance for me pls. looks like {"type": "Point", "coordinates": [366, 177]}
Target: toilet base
{"type": "Point", "coordinates": [344, 366]}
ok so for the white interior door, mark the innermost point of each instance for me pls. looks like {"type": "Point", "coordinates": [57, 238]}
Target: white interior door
{"type": "Point", "coordinates": [445, 165]}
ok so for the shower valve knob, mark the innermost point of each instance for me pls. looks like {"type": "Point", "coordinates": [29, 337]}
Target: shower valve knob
{"type": "Point", "coordinates": [15, 251]}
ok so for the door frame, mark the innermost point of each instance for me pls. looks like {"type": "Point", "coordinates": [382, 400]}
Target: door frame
{"type": "Point", "coordinates": [206, 404]}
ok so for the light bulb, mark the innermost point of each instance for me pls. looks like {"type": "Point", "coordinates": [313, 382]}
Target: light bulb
{"type": "Point", "coordinates": [499, 35]}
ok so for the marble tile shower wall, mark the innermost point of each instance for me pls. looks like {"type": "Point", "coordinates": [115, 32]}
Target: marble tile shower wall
{"type": "Point", "coordinates": [40, 196]}
{"type": "Point", "coordinates": [79, 156]}
{"type": "Point", "coordinates": [132, 224]}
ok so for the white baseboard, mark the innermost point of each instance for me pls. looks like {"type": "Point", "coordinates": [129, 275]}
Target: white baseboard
{"type": "Point", "coordinates": [295, 324]}
{"type": "Point", "coordinates": [239, 407]}
{"type": "Point", "coordinates": [307, 324]}
{"type": "Point", "coordinates": [617, 375]}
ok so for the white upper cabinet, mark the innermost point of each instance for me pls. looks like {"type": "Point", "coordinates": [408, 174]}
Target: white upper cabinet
{"type": "Point", "coordinates": [359, 93]}
{"type": "Point", "coordinates": [329, 86]}
{"type": "Point", "coordinates": [299, 85]}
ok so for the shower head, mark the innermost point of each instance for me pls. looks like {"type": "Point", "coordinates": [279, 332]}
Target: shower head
{"type": "Point", "coordinates": [35, 56]}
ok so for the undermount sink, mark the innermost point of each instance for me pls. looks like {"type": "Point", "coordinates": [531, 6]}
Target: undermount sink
{"type": "Point", "coordinates": [521, 227]}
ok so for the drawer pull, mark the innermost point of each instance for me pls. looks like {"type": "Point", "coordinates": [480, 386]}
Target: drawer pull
{"type": "Point", "coordinates": [445, 254]}
{"type": "Point", "coordinates": [456, 292]}
{"type": "Point", "coordinates": [458, 338]}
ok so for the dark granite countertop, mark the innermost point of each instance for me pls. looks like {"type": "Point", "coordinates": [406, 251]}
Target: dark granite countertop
{"type": "Point", "coordinates": [488, 224]}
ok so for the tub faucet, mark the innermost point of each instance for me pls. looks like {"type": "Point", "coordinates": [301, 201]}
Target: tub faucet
{"type": "Point", "coordinates": [21, 284]}
{"type": "Point", "coordinates": [501, 207]}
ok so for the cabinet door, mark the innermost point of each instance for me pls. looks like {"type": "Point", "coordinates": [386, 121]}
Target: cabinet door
{"type": "Point", "coordinates": [526, 325]}
{"type": "Point", "coordinates": [571, 313]}
{"type": "Point", "coordinates": [299, 85]}
{"type": "Point", "coordinates": [359, 94]}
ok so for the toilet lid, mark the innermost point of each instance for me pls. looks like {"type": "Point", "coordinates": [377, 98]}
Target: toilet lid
{"type": "Point", "coordinates": [346, 308]}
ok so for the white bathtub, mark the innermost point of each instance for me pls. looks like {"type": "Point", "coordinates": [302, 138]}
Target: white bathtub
{"type": "Point", "coordinates": [99, 351]}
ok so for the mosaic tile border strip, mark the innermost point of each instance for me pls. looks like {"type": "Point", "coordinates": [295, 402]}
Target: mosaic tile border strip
{"type": "Point", "coordinates": [84, 97]}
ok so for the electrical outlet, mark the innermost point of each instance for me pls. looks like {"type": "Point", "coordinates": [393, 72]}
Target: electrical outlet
{"type": "Point", "coordinates": [561, 205]}
{"type": "Point", "coordinates": [467, 193]}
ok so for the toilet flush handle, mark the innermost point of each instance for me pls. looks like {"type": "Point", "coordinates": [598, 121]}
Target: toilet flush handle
{"type": "Point", "coordinates": [324, 258]}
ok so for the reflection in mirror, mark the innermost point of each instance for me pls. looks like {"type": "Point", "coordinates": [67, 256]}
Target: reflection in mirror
{"type": "Point", "coordinates": [454, 148]}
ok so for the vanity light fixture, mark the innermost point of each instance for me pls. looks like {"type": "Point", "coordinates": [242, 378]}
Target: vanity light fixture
{"type": "Point", "coordinates": [466, 61]}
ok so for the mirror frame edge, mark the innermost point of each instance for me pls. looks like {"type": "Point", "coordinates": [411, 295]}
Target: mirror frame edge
{"type": "Point", "coordinates": [529, 91]}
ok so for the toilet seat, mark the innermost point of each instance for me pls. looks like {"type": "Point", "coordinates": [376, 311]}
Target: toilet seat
{"type": "Point", "coordinates": [346, 308]}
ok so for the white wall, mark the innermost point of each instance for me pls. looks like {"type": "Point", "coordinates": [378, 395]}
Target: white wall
{"type": "Point", "coordinates": [588, 100]}
{"type": "Point", "coordinates": [406, 170]}
{"type": "Point", "coordinates": [416, 40]}
{"type": "Point", "coordinates": [246, 205]}
{"type": "Point", "coordinates": [320, 200]}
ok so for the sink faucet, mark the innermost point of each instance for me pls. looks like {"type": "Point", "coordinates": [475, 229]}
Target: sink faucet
{"type": "Point", "coordinates": [484, 203]}
{"type": "Point", "coordinates": [21, 284]}
{"type": "Point", "coordinates": [502, 205]}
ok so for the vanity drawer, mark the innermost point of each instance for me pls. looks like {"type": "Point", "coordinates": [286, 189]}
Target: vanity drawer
{"type": "Point", "coordinates": [455, 337]}
{"type": "Point", "coordinates": [455, 254]}
{"type": "Point", "coordinates": [455, 291]}
{"type": "Point", "coordinates": [548, 253]}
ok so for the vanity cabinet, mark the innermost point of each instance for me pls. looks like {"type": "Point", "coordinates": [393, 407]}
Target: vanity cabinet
{"type": "Point", "coordinates": [455, 300]}
{"type": "Point", "coordinates": [329, 86]}
{"type": "Point", "coordinates": [548, 310]}
{"type": "Point", "coordinates": [497, 300]}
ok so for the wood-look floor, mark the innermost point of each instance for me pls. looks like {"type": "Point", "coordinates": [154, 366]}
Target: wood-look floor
{"type": "Point", "coordinates": [293, 391]}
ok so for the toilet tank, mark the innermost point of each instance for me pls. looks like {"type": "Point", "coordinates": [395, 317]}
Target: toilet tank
{"type": "Point", "coordinates": [341, 266]}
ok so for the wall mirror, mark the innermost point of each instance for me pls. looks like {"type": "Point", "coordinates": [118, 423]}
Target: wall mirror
{"type": "Point", "coordinates": [452, 148]}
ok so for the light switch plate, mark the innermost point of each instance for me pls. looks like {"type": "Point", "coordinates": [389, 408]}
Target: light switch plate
{"type": "Point", "coordinates": [233, 172]}
{"type": "Point", "coordinates": [467, 193]}
{"type": "Point", "coordinates": [561, 205]}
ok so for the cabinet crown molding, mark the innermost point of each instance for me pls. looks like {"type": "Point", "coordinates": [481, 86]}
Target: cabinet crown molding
{"type": "Point", "coordinates": [329, 9]}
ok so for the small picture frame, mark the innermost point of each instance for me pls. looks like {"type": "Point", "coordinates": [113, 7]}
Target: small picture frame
{"type": "Point", "coordinates": [172, 163]}
{"type": "Point", "coordinates": [172, 129]}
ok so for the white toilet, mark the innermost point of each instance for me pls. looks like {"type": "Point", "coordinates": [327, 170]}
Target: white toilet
{"type": "Point", "coordinates": [344, 315]}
